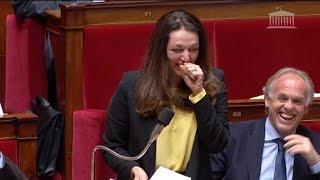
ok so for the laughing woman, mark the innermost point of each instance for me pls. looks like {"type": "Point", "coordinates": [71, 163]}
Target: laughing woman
{"type": "Point", "coordinates": [177, 73]}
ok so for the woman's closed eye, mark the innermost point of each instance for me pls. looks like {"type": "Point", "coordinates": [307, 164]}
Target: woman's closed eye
{"type": "Point", "coordinates": [193, 49]}
{"type": "Point", "coordinates": [177, 50]}
{"type": "Point", "coordinates": [181, 50]}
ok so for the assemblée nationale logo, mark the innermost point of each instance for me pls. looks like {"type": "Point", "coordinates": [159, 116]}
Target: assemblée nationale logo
{"type": "Point", "coordinates": [281, 19]}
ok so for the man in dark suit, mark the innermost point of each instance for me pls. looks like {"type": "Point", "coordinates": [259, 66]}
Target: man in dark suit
{"type": "Point", "coordinates": [9, 171]}
{"type": "Point", "coordinates": [253, 151]}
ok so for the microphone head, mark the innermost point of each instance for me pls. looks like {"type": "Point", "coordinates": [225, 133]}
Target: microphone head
{"type": "Point", "coordinates": [165, 116]}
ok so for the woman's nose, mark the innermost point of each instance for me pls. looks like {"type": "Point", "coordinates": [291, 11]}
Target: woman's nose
{"type": "Point", "coordinates": [185, 56]}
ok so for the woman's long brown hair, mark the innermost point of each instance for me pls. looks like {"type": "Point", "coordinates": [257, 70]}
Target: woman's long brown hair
{"type": "Point", "coordinates": [154, 90]}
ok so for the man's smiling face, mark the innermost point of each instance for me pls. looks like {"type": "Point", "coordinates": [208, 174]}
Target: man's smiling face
{"type": "Point", "coordinates": [287, 103]}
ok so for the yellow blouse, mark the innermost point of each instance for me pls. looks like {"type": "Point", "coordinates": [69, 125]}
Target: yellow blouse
{"type": "Point", "coordinates": [174, 144]}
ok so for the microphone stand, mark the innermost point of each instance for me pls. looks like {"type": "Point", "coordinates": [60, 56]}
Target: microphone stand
{"type": "Point", "coordinates": [155, 133]}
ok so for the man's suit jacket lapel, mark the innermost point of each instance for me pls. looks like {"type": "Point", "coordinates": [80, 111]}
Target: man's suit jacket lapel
{"type": "Point", "coordinates": [254, 148]}
{"type": "Point", "coordinates": [300, 168]}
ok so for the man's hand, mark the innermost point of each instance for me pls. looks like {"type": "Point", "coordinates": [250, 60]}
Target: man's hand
{"type": "Point", "coordinates": [137, 173]}
{"type": "Point", "coordinates": [297, 144]}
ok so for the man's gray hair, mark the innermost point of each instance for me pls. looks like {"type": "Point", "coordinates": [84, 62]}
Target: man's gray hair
{"type": "Point", "coordinates": [267, 90]}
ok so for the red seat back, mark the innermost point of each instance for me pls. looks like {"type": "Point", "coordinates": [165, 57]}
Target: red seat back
{"type": "Point", "coordinates": [10, 149]}
{"type": "Point", "coordinates": [312, 124]}
{"type": "Point", "coordinates": [88, 129]}
{"type": "Point", "coordinates": [110, 50]}
{"type": "Point", "coordinates": [249, 52]}
{"type": "Point", "coordinates": [25, 70]}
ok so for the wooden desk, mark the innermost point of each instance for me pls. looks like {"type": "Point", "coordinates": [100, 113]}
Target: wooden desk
{"type": "Point", "coordinates": [22, 127]}
{"type": "Point", "coordinates": [66, 27]}
{"type": "Point", "coordinates": [245, 109]}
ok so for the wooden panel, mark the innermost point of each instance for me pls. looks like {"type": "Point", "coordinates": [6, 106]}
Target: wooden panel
{"type": "Point", "coordinates": [2, 78]}
{"type": "Point", "coordinates": [124, 12]}
{"type": "Point", "coordinates": [23, 128]}
{"type": "Point", "coordinates": [58, 42]}
{"type": "Point", "coordinates": [27, 156]}
{"type": "Point", "coordinates": [66, 26]}
{"type": "Point", "coordinates": [27, 125]}
{"type": "Point", "coordinates": [244, 109]}
{"type": "Point", "coordinates": [6, 8]}
{"type": "Point", "coordinates": [8, 128]}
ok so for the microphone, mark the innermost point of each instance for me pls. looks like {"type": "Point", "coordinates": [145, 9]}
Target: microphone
{"type": "Point", "coordinates": [164, 119]}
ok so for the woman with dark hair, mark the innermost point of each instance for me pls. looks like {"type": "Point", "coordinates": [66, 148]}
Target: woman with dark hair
{"type": "Point", "coordinates": [177, 73]}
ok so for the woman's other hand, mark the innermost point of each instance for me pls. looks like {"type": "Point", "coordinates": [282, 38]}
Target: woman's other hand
{"type": "Point", "coordinates": [137, 173]}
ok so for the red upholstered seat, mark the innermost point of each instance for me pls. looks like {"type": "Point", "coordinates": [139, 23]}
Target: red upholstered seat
{"type": "Point", "coordinates": [88, 129]}
{"type": "Point", "coordinates": [249, 53]}
{"type": "Point", "coordinates": [25, 71]}
{"type": "Point", "coordinates": [10, 149]}
{"type": "Point", "coordinates": [312, 124]}
{"type": "Point", "coordinates": [25, 76]}
{"type": "Point", "coordinates": [109, 50]}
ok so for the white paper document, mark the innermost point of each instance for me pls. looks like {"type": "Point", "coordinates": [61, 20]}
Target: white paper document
{"type": "Point", "coordinates": [1, 111]}
{"type": "Point", "coordinates": [163, 173]}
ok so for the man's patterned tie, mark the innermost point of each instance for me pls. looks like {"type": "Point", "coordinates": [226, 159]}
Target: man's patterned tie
{"type": "Point", "coordinates": [280, 166]}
